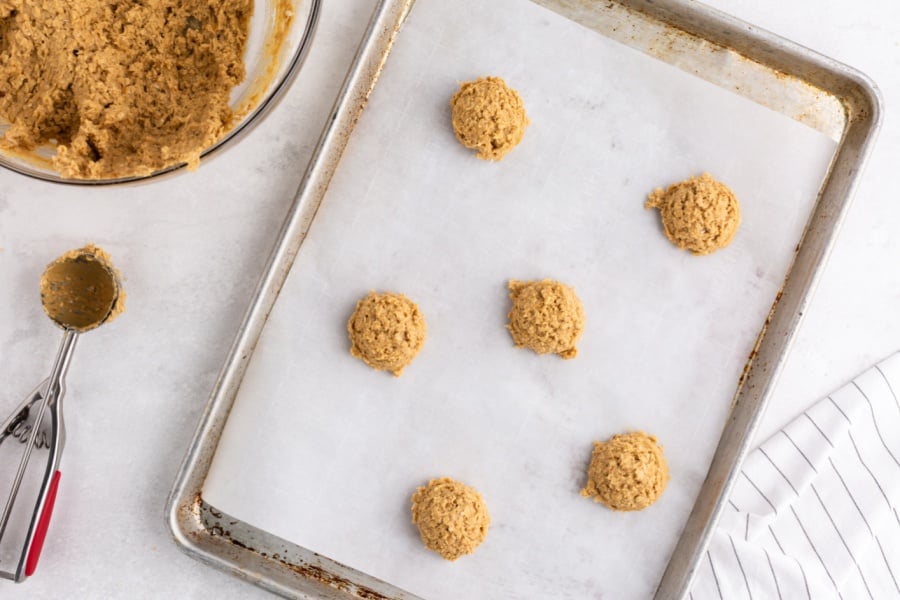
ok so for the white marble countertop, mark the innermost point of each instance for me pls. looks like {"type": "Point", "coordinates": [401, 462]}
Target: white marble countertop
{"type": "Point", "coordinates": [191, 249]}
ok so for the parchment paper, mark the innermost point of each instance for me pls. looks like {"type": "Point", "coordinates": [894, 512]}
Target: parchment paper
{"type": "Point", "coordinates": [325, 452]}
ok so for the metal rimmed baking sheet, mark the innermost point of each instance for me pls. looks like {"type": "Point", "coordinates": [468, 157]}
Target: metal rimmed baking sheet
{"type": "Point", "coordinates": [848, 92]}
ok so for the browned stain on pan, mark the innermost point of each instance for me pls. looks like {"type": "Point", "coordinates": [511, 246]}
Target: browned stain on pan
{"type": "Point", "coordinates": [305, 570]}
{"type": "Point", "coordinates": [326, 577]}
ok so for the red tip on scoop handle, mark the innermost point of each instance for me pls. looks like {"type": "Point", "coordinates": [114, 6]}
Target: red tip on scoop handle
{"type": "Point", "coordinates": [34, 553]}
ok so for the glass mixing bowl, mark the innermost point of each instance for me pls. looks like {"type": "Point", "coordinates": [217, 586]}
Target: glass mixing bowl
{"type": "Point", "coordinates": [281, 32]}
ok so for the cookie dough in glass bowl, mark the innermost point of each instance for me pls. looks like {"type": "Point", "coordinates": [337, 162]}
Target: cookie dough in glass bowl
{"type": "Point", "coordinates": [98, 93]}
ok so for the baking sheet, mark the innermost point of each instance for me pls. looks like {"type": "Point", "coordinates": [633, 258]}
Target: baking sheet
{"type": "Point", "coordinates": [323, 451]}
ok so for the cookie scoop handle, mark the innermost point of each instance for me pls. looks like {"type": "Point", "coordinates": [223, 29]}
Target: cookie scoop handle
{"type": "Point", "coordinates": [43, 524]}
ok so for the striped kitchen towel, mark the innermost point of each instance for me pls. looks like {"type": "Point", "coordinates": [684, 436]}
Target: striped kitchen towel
{"type": "Point", "coordinates": [814, 513]}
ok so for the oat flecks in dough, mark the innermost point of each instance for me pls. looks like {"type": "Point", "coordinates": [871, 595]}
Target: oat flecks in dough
{"type": "Point", "coordinates": [627, 472]}
{"type": "Point", "coordinates": [488, 116]}
{"type": "Point", "coordinates": [124, 88]}
{"type": "Point", "coordinates": [546, 316]}
{"type": "Point", "coordinates": [700, 214]}
{"type": "Point", "coordinates": [452, 517]}
{"type": "Point", "coordinates": [387, 331]}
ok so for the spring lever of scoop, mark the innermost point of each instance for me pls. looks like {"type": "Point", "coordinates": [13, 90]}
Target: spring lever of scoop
{"type": "Point", "coordinates": [37, 423]}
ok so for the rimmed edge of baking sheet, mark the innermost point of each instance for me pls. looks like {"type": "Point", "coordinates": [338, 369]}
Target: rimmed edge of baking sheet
{"type": "Point", "coordinates": [824, 94]}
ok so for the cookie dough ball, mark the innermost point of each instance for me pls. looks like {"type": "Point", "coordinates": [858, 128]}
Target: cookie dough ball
{"type": "Point", "coordinates": [699, 214]}
{"type": "Point", "coordinates": [488, 116]}
{"type": "Point", "coordinates": [546, 316]}
{"type": "Point", "coordinates": [628, 472]}
{"type": "Point", "coordinates": [452, 517]}
{"type": "Point", "coordinates": [386, 331]}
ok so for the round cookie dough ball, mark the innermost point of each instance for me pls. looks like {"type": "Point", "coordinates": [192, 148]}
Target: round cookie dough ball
{"type": "Point", "coordinates": [628, 472]}
{"type": "Point", "coordinates": [452, 517]}
{"type": "Point", "coordinates": [488, 116]}
{"type": "Point", "coordinates": [546, 316]}
{"type": "Point", "coordinates": [386, 331]}
{"type": "Point", "coordinates": [699, 214]}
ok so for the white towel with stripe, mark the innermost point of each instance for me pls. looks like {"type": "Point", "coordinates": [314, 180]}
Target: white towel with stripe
{"type": "Point", "coordinates": [814, 513]}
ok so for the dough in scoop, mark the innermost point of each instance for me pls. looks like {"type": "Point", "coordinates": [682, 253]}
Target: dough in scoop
{"type": "Point", "coordinates": [452, 517]}
{"type": "Point", "coordinates": [82, 290]}
{"type": "Point", "coordinates": [386, 331]}
{"type": "Point", "coordinates": [627, 472]}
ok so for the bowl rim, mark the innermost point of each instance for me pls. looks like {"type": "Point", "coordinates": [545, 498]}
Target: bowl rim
{"type": "Point", "coordinates": [247, 124]}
